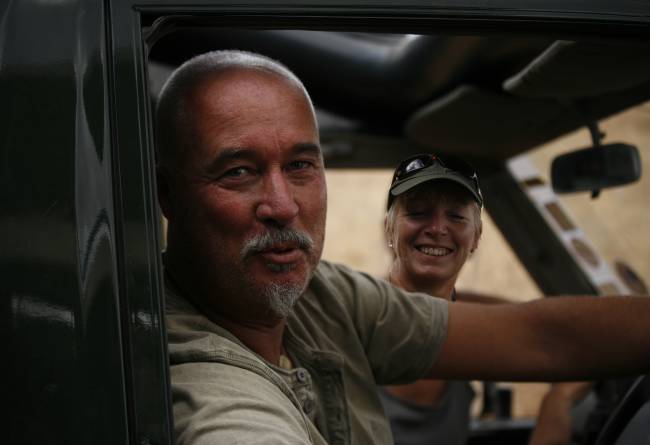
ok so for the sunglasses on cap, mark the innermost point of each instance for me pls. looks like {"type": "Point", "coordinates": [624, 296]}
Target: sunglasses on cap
{"type": "Point", "coordinates": [451, 165]}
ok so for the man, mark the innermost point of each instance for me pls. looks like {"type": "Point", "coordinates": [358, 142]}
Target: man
{"type": "Point", "coordinates": [268, 344]}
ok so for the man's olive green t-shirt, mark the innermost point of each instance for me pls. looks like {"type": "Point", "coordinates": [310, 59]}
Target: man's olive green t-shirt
{"type": "Point", "coordinates": [347, 334]}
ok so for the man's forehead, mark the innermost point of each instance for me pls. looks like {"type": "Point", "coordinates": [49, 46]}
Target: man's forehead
{"type": "Point", "coordinates": [238, 92]}
{"type": "Point", "coordinates": [236, 113]}
{"type": "Point", "coordinates": [245, 81]}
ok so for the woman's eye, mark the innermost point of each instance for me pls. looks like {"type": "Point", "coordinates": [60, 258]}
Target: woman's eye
{"type": "Point", "coordinates": [415, 213]}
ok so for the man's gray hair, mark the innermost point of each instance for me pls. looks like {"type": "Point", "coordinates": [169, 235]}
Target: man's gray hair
{"type": "Point", "coordinates": [172, 110]}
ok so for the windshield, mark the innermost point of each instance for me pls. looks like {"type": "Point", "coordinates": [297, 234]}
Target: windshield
{"type": "Point", "coordinates": [615, 224]}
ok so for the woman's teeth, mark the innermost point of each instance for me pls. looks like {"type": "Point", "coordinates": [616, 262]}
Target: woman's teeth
{"type": "Point", "coordinates": [434, 251]}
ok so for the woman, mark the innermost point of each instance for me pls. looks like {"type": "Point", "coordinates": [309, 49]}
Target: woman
{"type": "Point", "coordinates": [433, 225]}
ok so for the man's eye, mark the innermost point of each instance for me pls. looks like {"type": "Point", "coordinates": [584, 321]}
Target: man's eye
{"type": "Point", "coordinates": [237, 172]}
{"type": "Point", "coordinates": [299, 165]}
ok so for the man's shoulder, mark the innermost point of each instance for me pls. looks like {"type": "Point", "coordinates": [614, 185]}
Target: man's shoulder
{"type": "Point", "coordinates": [343, 282]}
{"type": "Point", "coordinates": [192, 337]}
{"type": "Point", "coordinates": [338, 274]}
{"type": "Point", "coordinates": [328, 270]}
{"type": "Point", "coordinates": [335, 287]}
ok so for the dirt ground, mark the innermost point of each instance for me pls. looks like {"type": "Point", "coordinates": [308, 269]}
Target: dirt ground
{"type": "Point", "coordinates": [617, 223]}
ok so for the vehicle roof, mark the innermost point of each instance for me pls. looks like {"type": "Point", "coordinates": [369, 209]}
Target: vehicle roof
{"type": "Point", "coordinates": [487, 98]}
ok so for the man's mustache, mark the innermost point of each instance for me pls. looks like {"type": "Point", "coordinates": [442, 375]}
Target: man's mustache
{"type": "Point", "coordinates": [273, 237]}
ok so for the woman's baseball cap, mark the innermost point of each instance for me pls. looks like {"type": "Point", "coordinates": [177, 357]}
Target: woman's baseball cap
{"type": "Point", "coordinates": [422, 168]}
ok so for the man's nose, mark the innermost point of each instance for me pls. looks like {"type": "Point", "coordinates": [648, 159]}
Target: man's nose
{"type": "Point", "coordinates": [277, 202]}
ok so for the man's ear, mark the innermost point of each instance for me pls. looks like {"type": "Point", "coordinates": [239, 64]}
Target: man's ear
{"type": "Point", "coordinates": [163, 187]}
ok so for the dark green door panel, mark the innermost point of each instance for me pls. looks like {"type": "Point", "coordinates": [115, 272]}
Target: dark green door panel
{"type": "Point", "coordinates": [59, 286]}
{"type": "Point", "coordinates": [76, 340]}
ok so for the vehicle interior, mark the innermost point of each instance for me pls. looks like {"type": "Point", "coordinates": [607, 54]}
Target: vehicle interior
{"type": "Point", "coordinates": [548, 100]}
{"type": "Point", "coordinates": [491, 99]}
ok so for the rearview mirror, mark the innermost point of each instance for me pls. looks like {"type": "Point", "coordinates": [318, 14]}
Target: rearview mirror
{"type": "Point", "coordinates": [595, 168]}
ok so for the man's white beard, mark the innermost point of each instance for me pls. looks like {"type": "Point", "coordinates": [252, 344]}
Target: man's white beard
{"type": "Point", "coordinates": [280, 298]}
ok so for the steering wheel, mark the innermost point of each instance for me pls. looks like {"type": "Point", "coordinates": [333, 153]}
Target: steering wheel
{"type": "Point", "coordinates": [630, 417]}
